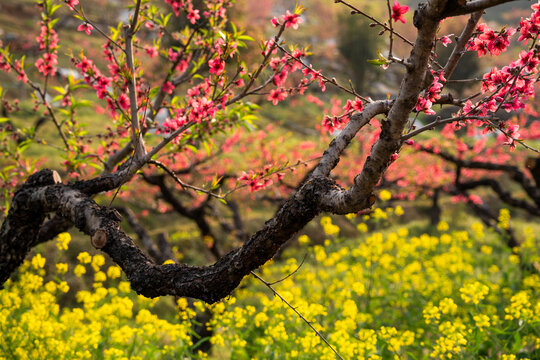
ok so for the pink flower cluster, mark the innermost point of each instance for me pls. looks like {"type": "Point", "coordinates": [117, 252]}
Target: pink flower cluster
{"type": "Point", "coordinates": [340, 115]}
{"type": "Point", "coordinates": [530, 27]}
{"type": "Point", "coordinates": [100, 83]}
{"type": "Point", "coordinates": [514, 83]}
{"type": "Point", "coordinates": [215, 7]}
{"type": "Point", "coordinates": [255, 180]}
{"type": "Point", "coordinates": [48, 41]}
{"type": "Point", "coordinates": [488, 40]}
{"type": "Point", "coordinates": [47, 64]}
{"type": "Point", "coordinates": [431, 95]}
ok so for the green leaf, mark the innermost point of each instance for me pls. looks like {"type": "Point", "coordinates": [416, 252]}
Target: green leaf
{"type": "Point", "coordinates": [245, 37]}
{"type": "Point", "coordinates": [60, 89]}
{"type": "Point", "coordinates": [377, 62]}
{"type": "Point", "coordinates": [153, 92]}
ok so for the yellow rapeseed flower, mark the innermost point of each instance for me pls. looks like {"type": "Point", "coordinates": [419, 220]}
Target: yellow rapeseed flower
{"type": "Point", "coordinates": [38, 261]}
{"type": "Point", "coordinates": [481, 321]}
{"type": "Point", "coordinates": [114, 272]}
{"type": "Point", "coordinates": [442, 226]}
{"type": "Point", "coordinates": [520, 307]}
{"type": "Point", "coordinates": [84, 258]}
{"type": "Point", "coordinates": [79, 270]}
{"type": "Point", "coordinates": [362, 227]}
{"type": "Point", "coordinates": [63, 286]}
{"type": "Point", "coordinates": [100, 276]}
{"type": "Point", "coordinates": [448, 306]}
{"type": "Point", "coordinates": [474, 292]}
{"type": "Point", "coordinates": [486, 249]}
{"type": "Point", "coordinates": [431, 314]}
{"type": "Point", "coordinates": [62, 241]}
{"type": "Point", "coordinates": [61, 268]}
{"type": "Point", "coordinates": [97, 261]}
{"type": "Point", "coordinates": [303, 239]}
{"type": "Point", "coordinates": [504, 219]}
{"type": "Point", "coordinates": [385, 195]}
{"type": "Point", "coordinates": [349, 309]}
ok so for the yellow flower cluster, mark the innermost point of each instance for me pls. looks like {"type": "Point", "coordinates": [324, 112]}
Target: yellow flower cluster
{"type": "Point", "coordinates": [474, 292]}
{"type": "Point", "coordinates": [521, 308]}
{"type": "Point", "coordinates": [385, 295]}
{"type": "Point", "coordinates": [504, 218]}
{"type": "Point", "coordinates": [104, 323]}
{"type": "Point", "coordinates": [351, 294]}
{"type": "Point", "coordinates": [329, 228]}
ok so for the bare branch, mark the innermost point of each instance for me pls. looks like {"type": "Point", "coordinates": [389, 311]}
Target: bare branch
{"type": "Point", "coordinates": [474, 6]}
{"type": "Point", "coordinates": [461, 43]}
{"type": "Point", "coordinates": [136, 134]}
{"type": "Point", "coordinates": [332, 155]}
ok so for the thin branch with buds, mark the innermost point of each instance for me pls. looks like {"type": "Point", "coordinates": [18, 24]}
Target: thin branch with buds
{"type": "Point", "coordinates": [332, 81]}
{"type": "Point", "coordinates": [355, 10]}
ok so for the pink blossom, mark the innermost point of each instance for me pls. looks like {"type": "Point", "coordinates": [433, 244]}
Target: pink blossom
{"type": "Point", "coordinates": [398, 11]}
{"type": "Point", "coordinates": [445, 40]}
{"type": "Point", "coordinates": [168, 87]}
{"type": "Point", "coordinates": [193, 15]}
{"type": "Point", "coordinates": [330, 123]}
{"type": "Point", "coordinates": [292, 20]}
{"type": "Point", "coordinates": [176, 5]}
{"type": "Point", "coordinates": [173, 55]}
{"type": "Point", "coordinates": [425, 106]}
{"type": "Point", "coordinates": [71, 3]}
{"type": "Point", "coordinates": [151, 51]}
{"type": "Point", "coordinates": [123, 101]}
{"type": "Point", "coordinates": [279, 78]}
{"type": "Point", "coordinates": [355, 105]}
{"type": "Point", "coordinates": [86, 27]}
{"type": "Point", "coordinates": [46, 64]}
{"type": "Point", "coordinates": [275, 21]}
{"type": "Point", "coordinates": [277, 95]}
{"type": "Point", "coordinates": [21, 75]}
{"type": "Point", "coordinates": [217, 66]}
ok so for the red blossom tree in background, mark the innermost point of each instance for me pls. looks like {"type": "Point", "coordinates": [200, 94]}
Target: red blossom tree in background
{"type": "Point", "coordinates": [170, 93]}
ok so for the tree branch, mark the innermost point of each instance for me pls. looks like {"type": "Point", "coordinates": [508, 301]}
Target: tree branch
{"type": "Point", "coordinates": [461, 43]}
{"type": "Point", "coordinates": [474, 6]}
{"type": "Point", "coordinates": [360, 194]}
{"type": "Point", "coordinates": [208, 283]}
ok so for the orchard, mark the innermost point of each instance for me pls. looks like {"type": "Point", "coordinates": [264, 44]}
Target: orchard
{"type": "Point", "coordinates": [211, 179]}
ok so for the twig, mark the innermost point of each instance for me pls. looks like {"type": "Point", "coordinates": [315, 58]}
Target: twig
{"type": "Point", "coordinates": [180, 182]}
{"type": "Point", "coordinates": [325, 78]}
{"type": "Point", "coordinates": [391, 29]}
{"type": "Point", "coordinates": [81, 13]}
{"type": "Point", "coordinates": [129, 32]}
{"type": "Point", "coordinates": [461, 43]}
{"type": "Point", "coordinates": [358, 11]}
{"type": "Point", "coordinates": [519, 141]}
{"type": "Point", "coordinates": [440, 121]}
{"type": "Point", "coordinates": [297, 313]}
{"type": "Point", "coordinates": [291, 274]}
